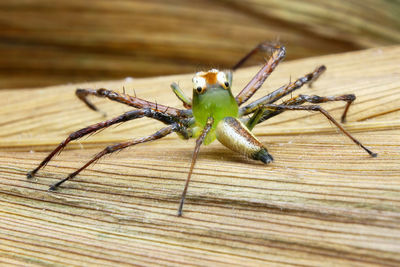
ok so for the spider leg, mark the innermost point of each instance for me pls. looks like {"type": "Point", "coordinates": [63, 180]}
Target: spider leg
{"type": "Point", "coordinates": [300, 99]}
{"type": "Point", "coordinates": [128, 100]}
{"type": "Point", "coordinates": [279, 52]}
{"type": "Point", "coordinates": [130, 115]}
{"type": "Point", "coordinates": [199, 141]}
{"type": "Point", "coordinates": [261, 47]}
{"type": "Point", "coordinates": [282, 91]}
{"type": "Point", "coordinates": [110, 149]}
{"type": "Point", "coordinates": [326, 114]}
{"type": "Point", "coordinates": [187, 101]}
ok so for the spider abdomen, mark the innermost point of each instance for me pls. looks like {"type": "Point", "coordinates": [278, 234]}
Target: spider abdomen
{"type": "Point", "coordinates": [234, 135]}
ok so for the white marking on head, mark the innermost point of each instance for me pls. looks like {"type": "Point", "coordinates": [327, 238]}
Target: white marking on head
{"type": "Point", "coordinates": [221, 77]}
{"type": "Point", "coordinates": [198, 81]}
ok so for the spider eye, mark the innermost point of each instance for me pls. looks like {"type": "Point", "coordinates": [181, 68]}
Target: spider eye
{"type": "Point", "coordinates": [199, 89]}
{"type": "Point", "coordinates": [226, 84]}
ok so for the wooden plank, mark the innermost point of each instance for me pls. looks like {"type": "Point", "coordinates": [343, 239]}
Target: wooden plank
{"type": "Point", "coordinates": [323, 200]}
{"type": "Point", "coordinates": [44, 42]}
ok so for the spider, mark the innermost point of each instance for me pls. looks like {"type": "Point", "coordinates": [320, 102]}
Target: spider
{"type": "Point", "coordinates": [212, 113]}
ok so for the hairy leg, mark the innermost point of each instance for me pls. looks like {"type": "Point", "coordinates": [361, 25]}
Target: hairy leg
{"type": "Point", "coordinates": [130, 115]}
{"type": "Point", "coordinates": [128, 100]}
{"type": "Point", "coordinates": [261, 47]}
{"type": "Point", "coordinates": [282, 91]}
{"type": "Point", "coordinates": [279, 52]}
{"type": "Point", "coordinates": [314, 99]}
{"type": "Point", "coordinates": [110, 149]}
{"type": "Point", "coordinates": [199, 141]}
{"type": "Point", "coordinates": [326, 114]}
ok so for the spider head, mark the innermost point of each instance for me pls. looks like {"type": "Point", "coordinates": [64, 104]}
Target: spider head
{"type": "Point", "coordinates": [212, 79]}
{"type": "Point", "coordinates": [212, 96]}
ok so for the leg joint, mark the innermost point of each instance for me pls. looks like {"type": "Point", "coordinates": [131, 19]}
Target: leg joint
{"type": "Point", "coordinates": [351, 97]}
{"type": "Point", "coordinates": [315, 108]}
{"type": "Point", "coordinates": [103, 92]}
{"type": "Point", "coordinates": [109, 149]}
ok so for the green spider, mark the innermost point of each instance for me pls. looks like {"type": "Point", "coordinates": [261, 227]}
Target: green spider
{"type": "Point", "coordinates": [214, 113]}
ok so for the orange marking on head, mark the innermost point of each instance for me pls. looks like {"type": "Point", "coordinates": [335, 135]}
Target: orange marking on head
{"type": "Point", "coordinates": [210, 77]}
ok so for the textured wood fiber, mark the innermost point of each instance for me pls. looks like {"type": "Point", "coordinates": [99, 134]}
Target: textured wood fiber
{"type": "Point", "coordinates": [45, 42]}
{"type": "Point", "coordinates": [323, 201]}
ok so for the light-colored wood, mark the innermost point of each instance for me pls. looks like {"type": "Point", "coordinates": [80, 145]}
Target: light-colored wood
{"type": "Point", "coordinates": [323, 201]}
{"type": "Point", "coordinates": [46, 42]}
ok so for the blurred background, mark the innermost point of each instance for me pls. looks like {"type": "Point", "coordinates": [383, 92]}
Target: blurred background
{"type": "Point", "coordinates": [47, 42]}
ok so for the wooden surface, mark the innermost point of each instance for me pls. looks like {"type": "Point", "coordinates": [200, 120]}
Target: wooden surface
{"type": "Point", "coordinates": [323, 201]}
{"type": "Point", "coordinates": [45, 42]}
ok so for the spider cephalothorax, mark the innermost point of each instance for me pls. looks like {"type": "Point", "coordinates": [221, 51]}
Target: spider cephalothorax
{"type": "Point", "coordinates": [212, 113]}
{"type": "Point", "coordinates": [212, 97]}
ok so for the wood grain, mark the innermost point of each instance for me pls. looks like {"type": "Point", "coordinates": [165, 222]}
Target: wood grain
{"type": "Point", "coordinates": [46, 42]}
{"type": "Point", "coordinates": [323, 201]}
